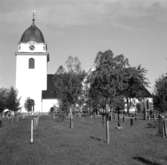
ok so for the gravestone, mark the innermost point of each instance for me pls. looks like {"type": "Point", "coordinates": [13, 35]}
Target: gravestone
{"type": "Point", "coordinates": [162, 129]}
{"type": "Point", "coordinates": [36, 121]}
{"type": "Point", "coordinates": [131, 121]}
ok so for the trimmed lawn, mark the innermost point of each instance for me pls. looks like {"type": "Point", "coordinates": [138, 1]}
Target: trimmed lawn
{"type": "Point", "coordinates": [56, 144]}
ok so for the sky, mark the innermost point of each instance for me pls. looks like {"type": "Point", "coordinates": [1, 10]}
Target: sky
{"type": "Point", "coordinates": [82, 28]}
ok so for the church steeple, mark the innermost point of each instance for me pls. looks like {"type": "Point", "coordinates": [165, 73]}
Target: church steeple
{"type": "Point", "coordinates": [32, 33]}
{"type": "Point", "coordinates": [31, 66]}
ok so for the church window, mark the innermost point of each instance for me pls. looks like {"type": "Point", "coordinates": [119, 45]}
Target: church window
{"type": "Point", "coordinates": [31, 63]}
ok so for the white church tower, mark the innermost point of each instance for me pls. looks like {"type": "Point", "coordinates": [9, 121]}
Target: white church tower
{"type": "Point", "coordinates": [31, 66]}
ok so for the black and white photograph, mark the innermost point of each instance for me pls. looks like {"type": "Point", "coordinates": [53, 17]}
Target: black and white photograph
{"type": "Point", "coordinates": [83, 82]}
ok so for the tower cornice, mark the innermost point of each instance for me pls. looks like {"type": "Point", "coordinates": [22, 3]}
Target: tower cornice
{"type": "Point", "coordinates": [34, 54]}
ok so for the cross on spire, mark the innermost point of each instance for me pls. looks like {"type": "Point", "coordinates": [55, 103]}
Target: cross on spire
{"type": "Point", "coordinates": [33, 17]}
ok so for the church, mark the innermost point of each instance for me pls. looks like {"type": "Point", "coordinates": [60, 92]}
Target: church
{"type": "Point", "coordinates": [32, 80]}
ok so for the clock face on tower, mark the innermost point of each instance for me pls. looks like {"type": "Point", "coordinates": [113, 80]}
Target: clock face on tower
{"type": "Point", "coordinates": [32, 47]}
{"type": "Point", "coordinates": [44, 47]}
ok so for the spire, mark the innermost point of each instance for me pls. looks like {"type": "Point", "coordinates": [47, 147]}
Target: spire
{"type": "Point", "coordinates": [33, 17]}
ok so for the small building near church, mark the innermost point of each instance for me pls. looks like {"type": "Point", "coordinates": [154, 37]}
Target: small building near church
{"type": "Point", "coordinates": [32, 80]}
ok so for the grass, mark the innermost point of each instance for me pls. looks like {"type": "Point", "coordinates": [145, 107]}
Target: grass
{"type": "Point", "coordinates": [56, 144]}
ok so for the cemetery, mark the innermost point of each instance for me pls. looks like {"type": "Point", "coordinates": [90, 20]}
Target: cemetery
{"type": "Point", "coordinates": [105, 113]}
{"type": "Point", "coordinates": [55, 143]}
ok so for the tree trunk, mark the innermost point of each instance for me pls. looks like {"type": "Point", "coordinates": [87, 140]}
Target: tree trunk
{"type": "Point", "coordinates": [103, 117]}
{"type": "Point", "coordinates": [1, 120]}
{"type": "Point", "coordinates": [123, 116]}
{"type": "Point", "coordinates": [118, 114]}
{"type": "Point", "coordinates": [127, 101]}
{"type": "Point", "coordinates": [144, 109]}
{"type": "Point", "coordinates": [71, 119]}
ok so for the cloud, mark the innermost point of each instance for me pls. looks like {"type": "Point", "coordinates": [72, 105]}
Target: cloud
{"type": "Point", "coordinates": [127, 14]}
{"type": "Point", "coordinates": [64, 13]}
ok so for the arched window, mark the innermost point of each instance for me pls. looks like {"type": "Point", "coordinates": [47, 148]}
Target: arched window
{"type": "Point", "coordinates": [31, 63]}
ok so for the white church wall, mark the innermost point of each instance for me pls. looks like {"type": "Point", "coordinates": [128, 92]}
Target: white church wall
{"type": "Point", "coordinates": [48, 103]}
{"type": "Point", "coordinates": [34, 78]}
{"type": "Point", "coordinates": [31, 82]}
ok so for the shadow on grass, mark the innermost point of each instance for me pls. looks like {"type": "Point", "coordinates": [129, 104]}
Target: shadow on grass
{"type": "Point", "coordinates": [145, 161]}
{"type": "Point", "coordinates": [97, 139]}
{"type": "Point", "coordinates": [151, 125]}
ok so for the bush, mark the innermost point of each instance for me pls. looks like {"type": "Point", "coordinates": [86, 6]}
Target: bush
{"type": "Point", "coordinates": [160, 98]}
{"type": "Point", "coordinates": [9, 99]}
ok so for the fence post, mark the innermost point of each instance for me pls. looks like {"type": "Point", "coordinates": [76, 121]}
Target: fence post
{"type": "Point", "coordinates": [32, 138]}
{"type": "Point", "coordinates": [107, 130]}
{"type": "Point", "coordinates": [131, 121]}
{"type": "Point", "coordinates": [162, 126]}
{"type": "Point", "coordinates": [36, 121]}
{"type": "Point", "coordinates": [71, 119]}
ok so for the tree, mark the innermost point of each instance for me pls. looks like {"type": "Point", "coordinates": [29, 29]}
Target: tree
{"type": "Point", "coordinates": [13, 103]}
{"type": "Point", "coordinates": [3, 98]}
{"type": "Point", "coordinates": [135, 82]}
{"type": "Point", "coordinates": [116, 77]}
{"type": "Point", "coordinates": [160, 98]}
{"type": "Point", "coordinates": [29, 104]}
{"type": "Point", "coordinates": [68, 88]}
{"type": "Point", "coordinates": [68, 85]}
{"type": "Point", "coordinates": [107, 82]}
{"type": "Point", "coordinates": [60, 70]}
{"type": "Point", "coordinates": [73, 64]}
{"type": "Point", "coordinates": [8, 99]}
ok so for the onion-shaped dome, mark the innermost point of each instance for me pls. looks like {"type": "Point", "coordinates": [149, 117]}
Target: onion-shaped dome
{"type": "Point", "coordinates": [33, 33]}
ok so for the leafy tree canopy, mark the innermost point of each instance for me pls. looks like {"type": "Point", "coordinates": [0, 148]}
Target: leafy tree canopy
{"type": "Point", "coordinates": [68, 84]}
{"type": "Point", "coordinates": [13, 103]}
{"type": "Point", "coordinates": [160, 98]}
{"type": "Point", "coordinates": [134, 82]}
{"type": "Point", "coordinates": [60, 70]}
{"type": "Point", "coordinates": [107, 79]}
{"type": "Point", "coordinates": [9, 100]}
{"type": "Point", "coordinates": [29, 104]}
{"type": "Point", "coordinates": [114, 78]}
{"type": "Point", "coordinates": [73, 64]}
{"type": "Point", "coordinates": [3, 98]}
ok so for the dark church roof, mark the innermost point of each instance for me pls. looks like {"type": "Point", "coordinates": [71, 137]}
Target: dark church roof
{"type": "Point", "coordinates": [33, 33]}
{"type": "Point", "coordinates": [49, 93]}
{"type": "Point", "coordinates": [143, 92]}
